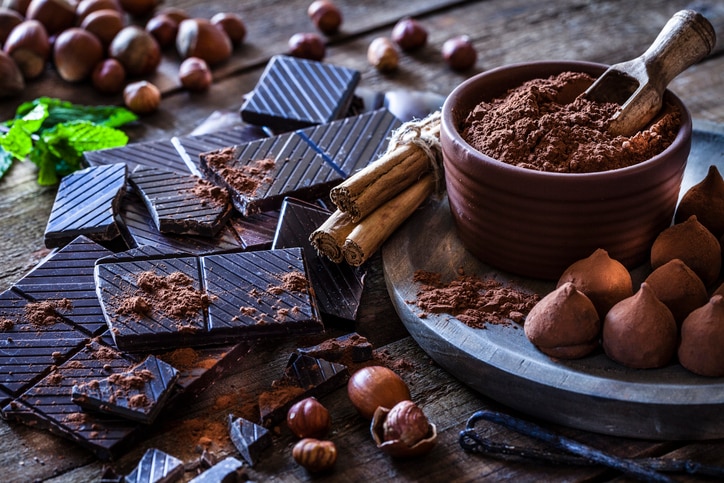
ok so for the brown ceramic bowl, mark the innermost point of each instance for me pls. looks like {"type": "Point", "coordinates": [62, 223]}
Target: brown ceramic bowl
{"type": "Point", "coordinates": [535, 223]}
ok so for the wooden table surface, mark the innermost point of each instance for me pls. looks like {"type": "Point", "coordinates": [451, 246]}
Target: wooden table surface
{"type": "Point", "coordinates": [503, 31]}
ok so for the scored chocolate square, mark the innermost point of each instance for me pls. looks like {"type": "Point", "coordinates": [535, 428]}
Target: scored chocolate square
{"type": "Point", "coordinates": [87, 204]}
{"type": "Point", "coordinates": [294, 93]}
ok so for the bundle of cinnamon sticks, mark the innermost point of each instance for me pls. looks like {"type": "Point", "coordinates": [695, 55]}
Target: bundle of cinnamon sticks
{"type": "Point", "coordinates": [373, 203]}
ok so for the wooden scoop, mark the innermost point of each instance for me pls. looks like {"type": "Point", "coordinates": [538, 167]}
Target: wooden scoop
{"type": "Point", "coordinates": [638, 85]}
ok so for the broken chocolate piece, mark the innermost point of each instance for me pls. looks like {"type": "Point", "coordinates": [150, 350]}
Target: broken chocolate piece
{"type": "Point", "coordinates": [249, 438]}
{"type": "Point", "coordinates": [68, 274]}
{"type": "Point", "coordinates": [154, 154]}
{"type": "Point", "coordinates": [34, 338]}
{"type": "Point", "coordinates": [338, 286]}
{"type": "Point", "coordinates": [352, 347]}
{"type": "Point", "coordinates": [189, 147]}
{"type": "Point", "coordinates": [304, 377]}
{"type": "Point", "coordinates": [156, 467]}
{"type": "Point", "coordinates": [87, 204]}
{"type": "Point", "coordinates": [294, 93]}
{"type": "Point", "coordinates": [303, 164]}
{"type": "Point", "coordinates": [138, 395]}
{"type": "Point", "coordinates": [181, 204]}
{"type": "Point", "coordinates": [228, 470]}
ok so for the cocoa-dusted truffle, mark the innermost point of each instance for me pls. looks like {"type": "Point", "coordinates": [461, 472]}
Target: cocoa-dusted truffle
{"type": "Point", "coordinates": [601, 278]}
{"type": "Point", "coordinates": [702, 339]}
{"type": "Point", "coordinates": [640, 331]}
{"type": "Point", "coordinates": [678, 287]}
{"type": "Point", "coordinates": [691, 242]}
{"type": "Point", "coordinates": [564, 324]}
{"type": "Point", "coordinates": [706, 201]}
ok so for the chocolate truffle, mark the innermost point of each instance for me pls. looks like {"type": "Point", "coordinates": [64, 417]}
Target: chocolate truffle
{"type": "Point", "coordinates": [564, 324]}
{"type": "Point", "coordinates": [691, 242]}
{"type": "Point", "coordinates": [706, 201]}
{"type": "Point", "coordinates": [640, 331]}
{"type": "Point", "coordinates": [702, 339]}
{"type": "Point", "coordinates": [601, 278]}
{"type": "Point", "coordinates": [678, 287]}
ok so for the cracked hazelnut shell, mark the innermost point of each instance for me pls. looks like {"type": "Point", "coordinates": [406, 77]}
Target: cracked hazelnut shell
{"type": "Point", "coordinates": [401, 441]}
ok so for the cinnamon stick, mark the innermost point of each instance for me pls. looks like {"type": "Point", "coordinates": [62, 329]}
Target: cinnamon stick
{"type": "Point", "coordinates": [329, 238]}
{"type": "Point", "coordinates": [401, 166]}
{"type": "Point", "coordinates": [369, 234]}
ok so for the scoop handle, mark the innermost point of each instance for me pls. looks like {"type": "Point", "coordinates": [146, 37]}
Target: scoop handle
{"type": "Point", "coordinates": [686, 38]}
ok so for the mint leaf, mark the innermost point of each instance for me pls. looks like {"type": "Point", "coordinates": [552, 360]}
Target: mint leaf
{"type": "Point", "coordinates": [18, 140]}
{"type": "Point", "coordinates": [63, 111]}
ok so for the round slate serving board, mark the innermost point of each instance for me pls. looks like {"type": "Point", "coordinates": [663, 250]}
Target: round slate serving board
{"type": "Point", "coordinates": [593, 393]}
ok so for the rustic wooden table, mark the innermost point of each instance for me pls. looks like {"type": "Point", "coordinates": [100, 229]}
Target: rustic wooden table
{"type": "Point", "coordinates": [504, 31]}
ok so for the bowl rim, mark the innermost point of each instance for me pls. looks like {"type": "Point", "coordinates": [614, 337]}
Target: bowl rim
{"type": "Point", "coordinates": [448, 128]}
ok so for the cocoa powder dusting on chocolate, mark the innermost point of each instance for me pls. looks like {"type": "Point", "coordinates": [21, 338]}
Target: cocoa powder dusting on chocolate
{"type": "Point", "coordinates": [208, 192]}
{"type": "Point", "coordinates": [245, 179]}
{"type": "Point", "coordinates": [6, 324]}
{"type": "Point", "coordinates": [472, 300]}
{"type": "Point", "coordinates": [291, 282]}
{"type": "Point", "coordinates": [182, 359]}
{"type": "Point", "coordinates": [173, 295]}
{"type": "Point", "coordinates": [47, 312]}
{"type": "Point", "coordinates": [545, 125]}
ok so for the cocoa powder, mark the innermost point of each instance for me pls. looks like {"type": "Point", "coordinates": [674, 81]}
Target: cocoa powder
{"type": "Point", "coordinates": [46, 312]}
{"type": "Point", "coordinates": [173, 295]}
{"type": "Point", "coordinates": [472, 300]}
{"type": "Point", "coordinates": [546, 125]}
{"type": "Point", "coordinates": [245, 179]}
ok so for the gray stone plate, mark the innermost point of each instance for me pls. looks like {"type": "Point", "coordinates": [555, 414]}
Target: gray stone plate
{"type": "Point", "coordinates": [592, 393]}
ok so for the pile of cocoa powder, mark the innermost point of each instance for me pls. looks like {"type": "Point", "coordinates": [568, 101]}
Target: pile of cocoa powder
{"type": "Point", "coordinates": [245, 179]}
{"type": "Point", "coordinates": [546, 125]}
{"type": "Point", "coordinates": [174, 295]}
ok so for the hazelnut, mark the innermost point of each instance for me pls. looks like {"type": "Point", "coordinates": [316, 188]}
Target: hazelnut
{"type": "Point", "coordinates": [8, 20]}
{"type": "Point", "coordinates": [76, 53]}
{"type": "Point", "coordinates": [382, 55]}
{"type": "Point", "coordinates": [308, 419]}
{"type": "Point", "coordinates": [29, 47]}
{"type": "Point", "coordinates": [307, 46]}
{"type": "Point", "coordinates": [20, 6]}
{"type": "Point", "coordinates": [326, 16]}
{"type": "Point", "coordinates": [409, 34]}
{"type": "Point", "coordinates": [139, 8]}
{"type": "Point", "coordinates": [177, 15]}
{"type": "Point", "coordinates": [194, 74]}
{"type": "Point", "coordinates": [232, 25]}
{"type": "Point", "coordinates": [375, 386]}
{"type": "Point", "coordinates": [86, 7]}
{"type": "Point", "coordinates": [198, 37]}
{"type": "Point", "coordinates": [104, 24]}
{"type": "Point", "coordinates": [11, 79]}
{"type": "Point", "coordinates": [141, 97]}
{"type": "Point", "coordinates": [163, 28]}
{"type": "Point", "coordinates": [403, 431]}
{"type": "Point", "coordinates": [109, 77]}
{"type": "Point", "coordinates": [55, 15]}
{"type": "Point", "coordinates": [314, 454]}
{"type": "Point", "coordinates": [459, 53]}
{"type": "Point", "coordinates": [137, 50]}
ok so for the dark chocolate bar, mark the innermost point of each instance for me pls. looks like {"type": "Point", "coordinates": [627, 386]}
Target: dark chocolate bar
{"type": "Point", "coordinates": [228, 470]}
{"type": "Point", "coordinates": [154, 154]}
{"type": "Point", "coordinates": [189, 147]}
{"type": "Point", "coordinates": [68, 274]}
{"type": "Point", "coordinates": [249, 438]}
{"type": "Point", "coordinates": [165, 303]}
{"type": "Point", "coordinates": [352, 347]}
{"type": "Point", "coordinates": [338, 286]}
{"type": "Point", "coordinates": [303, 164]}
{"type": "Point", "coordinates": [156, 467]}
{"type": "Point", "coordinates": [309, 376]}
{"type": "Point", "coordinates": [181, 204]}
{"type": "Point", "coordinates": [34, 338]}
{"type": "Point", "coordinates": [294, 93]}
{"type": "Point", "coordinates": [48, 404]}
{"type": "Point", "coordinates": [138, 394]}
{"type": "Point", "coordinates": [87, 204]}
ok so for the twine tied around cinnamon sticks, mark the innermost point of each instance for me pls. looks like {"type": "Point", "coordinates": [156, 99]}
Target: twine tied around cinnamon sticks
{"type": "Point", "coordinates": [373, 203]}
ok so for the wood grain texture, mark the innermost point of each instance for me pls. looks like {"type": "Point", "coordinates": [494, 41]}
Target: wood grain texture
{"type": "Point", "coordinates": [503, 31]}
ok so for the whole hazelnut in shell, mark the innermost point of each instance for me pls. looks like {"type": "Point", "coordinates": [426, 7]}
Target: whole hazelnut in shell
{"type": "Point", "coordinates": [459, 53]}
{"type": "Point", "coordinates": [678, 287]}
{"type": "Point", "coordinates": [139, 8]}
{"type": "Point", "coordinates": [702, 339]}
{"type": "Point", "coordinates": [705, 200]}
{"type": "Point", "coordinates": [314, 454]}
{"type": "Point", "coordinates": [20, 6]}
{"type": "Point", "coordinates": [195, 75]}
{"type": "Point", "coordinates": [198, 37]}
{"type": "Point", "coordinates": [693, 244]}
{"type": "Point", "coordinates": [104, 24]}
{"type": "Point", "coordinates": [163, 28]}
{"type": "Point", "coordinates": [403, 430]}
{"type": "Point", "coordinates": [29, 47]}
{"type": "Point", "coordinates": [382, 55]}
{"type": "Point", "coordinates": [142, 97]}
{"type": "Point", "coordinates": [325, 15]}
{"type": "Point", "coordinates": [409, 34]}
{"type": "Point", "coordinates": [109, 77]}
{"type": "Point", "coordinates": [76, 53]}
{"type": "Point", "coordinates": [564, 324]}
{"type": "Point", "coordinates": [308, 418]}
{"type": "Point", "coordinates": [55, 15]}
{"type": "Point", "coordinates": [640, 332]}
{"type": "Point", "coordinates": [232, 24]}
{"type": "Point", "coordinates": [601, 278]}
{"type": "Point", "coordinates": [11, 79]}
{"type": "Point", "coordinates": [86, 7]}
{"type": "Point", "coordinates": [8, 20]}
{"type": "Point", "coordinates": [375, 386]}
{"type": "Point", "coordinates": [307, 46]}
{"type": "Point", "coordinates": [137, 50]}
